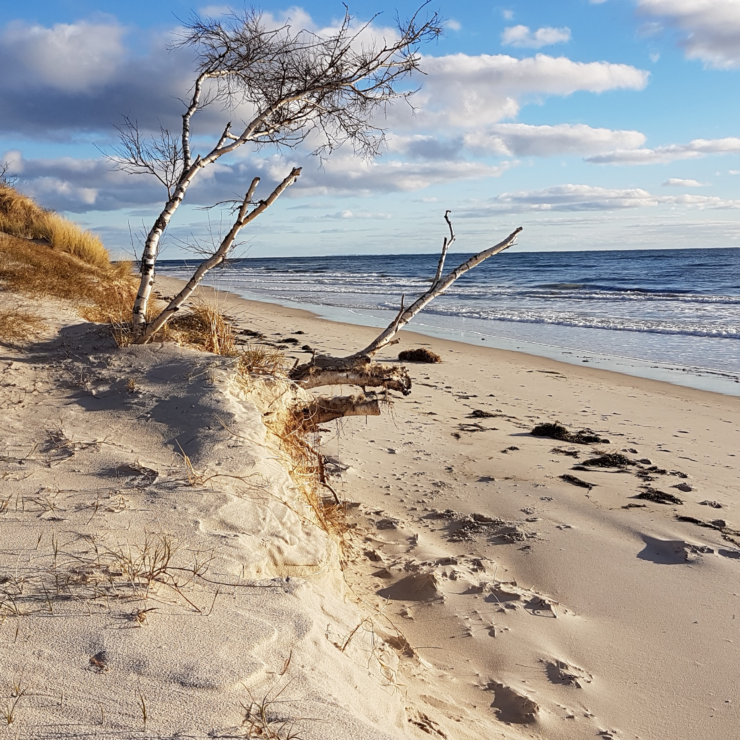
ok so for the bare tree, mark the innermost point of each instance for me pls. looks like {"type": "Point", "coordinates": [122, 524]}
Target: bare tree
{"type": "Point", "coordinates": [295, 83]}
{"type": "Point", "coordinates": [5, 178]}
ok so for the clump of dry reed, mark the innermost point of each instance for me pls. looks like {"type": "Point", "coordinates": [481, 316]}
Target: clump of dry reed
{"type": "Point", "coordinates": [21, 217]}
{"type": "Point", "coordinates": [17, 325]}
{"type": "Point", "coordinates": [203, 327]}
{"type": "Point", "coordinates": [298, 440]}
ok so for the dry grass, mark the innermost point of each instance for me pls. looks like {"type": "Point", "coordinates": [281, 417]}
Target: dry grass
{"type": "Point", "coordinates": [84, 570]}
{"type": "Point", "coordinates": [258, 359]}
{"type": "Point", "coordinates": [265, 718]}
{"type": "Point", "coordinates": [21, 217]}
{"type": "Point", "coordinates": [202, 327]}
{"type": "Point", "coordinates": [101, 294]}
{"type": "Point", "coordinates": [17, 325]}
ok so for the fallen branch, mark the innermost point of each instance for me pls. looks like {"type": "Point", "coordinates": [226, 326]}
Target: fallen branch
{"type": "Point", "coordinates": [323, 409]}
{"type": "Point", "coordinates": [359, 369]}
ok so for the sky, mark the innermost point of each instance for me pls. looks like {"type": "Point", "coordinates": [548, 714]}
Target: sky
{"type": "Point", "coordinates": [593, 124]}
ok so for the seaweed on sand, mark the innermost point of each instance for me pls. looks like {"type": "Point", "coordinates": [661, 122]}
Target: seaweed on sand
{"type": "Point", "coordinates": [608, 460]}
{"type": "Point", "coordinates": [559, 432]}
{"type": "Point", "coordinates": [659, 497]}
{"type": "Point", "coordinates": [419, 355]}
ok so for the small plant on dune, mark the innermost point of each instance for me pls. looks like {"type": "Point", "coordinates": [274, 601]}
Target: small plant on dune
{"type": "Point", "coordinates": [258, 359]}
{"type": "Point", "coordinates": [9, 710]}
{"type": "Point", "coordinates": [262, 718]}
{"type": "Point", "coordinates": [204, 327]}
{"type": "Point", "coordinates": [141, 701]}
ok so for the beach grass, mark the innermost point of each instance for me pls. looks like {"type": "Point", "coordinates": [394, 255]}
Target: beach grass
{"type": "Point", "coordinates": [18, 324]}
{"type": "Point", "coordinates": [103, 294]}
{"type": "Point", "coordinates": [20, 216]}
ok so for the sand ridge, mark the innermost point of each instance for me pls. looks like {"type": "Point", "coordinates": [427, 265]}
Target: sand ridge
{"type": "Point", "coordinates": [141, 596]}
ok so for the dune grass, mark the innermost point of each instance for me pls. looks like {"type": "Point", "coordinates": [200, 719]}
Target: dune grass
{"type": "Point", "coordinates": [21, 217]}
{"type": "Point", "coordinates": [101, 294]}
{"type": "Point", "coordinates": [18, 325]}
{"type": "Point", "coordinates": [43, 255]}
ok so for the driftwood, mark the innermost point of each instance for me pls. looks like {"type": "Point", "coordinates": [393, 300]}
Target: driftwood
{"type": "Point", "coordinates": [359, 369]}
{"type": "Point", "coordinates": [325, 409]}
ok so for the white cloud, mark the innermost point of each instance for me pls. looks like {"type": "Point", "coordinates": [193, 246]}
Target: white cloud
{"type": "Point", "coordinates": [83, 185]}
{"type": "Point", "coordinates": [70, 57]}
{"type": "Point", "coordinates": [711, 28]}
{"type": "Point", "coordinates": [663, 154]}
{"type": "Point", "coordinates": [348, 175]}
{"type": "Point", "coordinates": [586, 198]}
{"type": "Point", "coordinates": [453, 25]}
{"type": "Point", "coordinates": [523, 140]}
{"type": "Point", "coordinates": [507, 14]}
{"type": "Point", "coordinates": [363, 215]}
{"type": "Point", "coordinates": [470, 91]}
{"type": "Point", "coordinates": [522, 37]}
{"type": "Point", "coordinates": [677, 182]}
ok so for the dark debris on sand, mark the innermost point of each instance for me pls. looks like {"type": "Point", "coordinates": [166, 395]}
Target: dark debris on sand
{"type": "Point", "coordinates": [608, 460]}
{"type": "Point", "coordinates": [659, 497]}
{"type": "Point", "coordinates": [561, 451]}
{"type": "Point", "coordinates": [559, 432]}
{"type": "Point", "coordinates": [480, 414]}
{"type": "Point", "coordinates": [576, 481]}
{"type": "Point", "coordinates": [419, 355]}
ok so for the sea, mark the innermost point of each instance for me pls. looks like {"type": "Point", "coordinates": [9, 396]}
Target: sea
{"type": "Point", "coordinates": [671, 315]}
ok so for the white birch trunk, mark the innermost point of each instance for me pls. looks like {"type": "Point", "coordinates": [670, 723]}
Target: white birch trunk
{"type": "Point", "coordinates": [221, 253]}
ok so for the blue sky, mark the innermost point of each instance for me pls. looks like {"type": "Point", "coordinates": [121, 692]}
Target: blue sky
{"type": "Point", "coordinates": [607, 124]}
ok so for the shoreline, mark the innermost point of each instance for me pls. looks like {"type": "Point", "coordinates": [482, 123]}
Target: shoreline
{"type": "Point", "coordinates": [367, 330]}
{"type": "Point", "coordinates": [698, 378]}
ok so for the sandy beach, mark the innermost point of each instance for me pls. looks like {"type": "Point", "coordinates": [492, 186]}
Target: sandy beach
{"type": "Point", "coordinates": [487, 590]}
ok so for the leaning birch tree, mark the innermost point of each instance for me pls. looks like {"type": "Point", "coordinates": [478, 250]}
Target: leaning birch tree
{"type": "Point", "coordinates": [296, 84]}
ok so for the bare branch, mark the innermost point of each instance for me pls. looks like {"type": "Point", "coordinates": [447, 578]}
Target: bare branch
{"type": "Point", "coordinates": [445, 246]}
{"type": "Point", "coordinates": [323, 409]}
{"type": "Point", "coordinates": [160, 156]}
{"type": "Point", "coordinates": [359, 369]}
{"type": "Point", "coordinates": [5, 178]}
{"type": "Point", "coordinates": [436, 289]}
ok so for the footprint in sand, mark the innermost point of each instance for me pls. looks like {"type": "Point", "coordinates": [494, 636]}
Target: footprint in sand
{"type": "Point", "coordinates": [416, 587]}
{"type": "Point", "coordinates": [671, 552]}
{"type": "Point", "coordinates": [562, 672]}
{"type": "Point", "coordinates": [512, 706]}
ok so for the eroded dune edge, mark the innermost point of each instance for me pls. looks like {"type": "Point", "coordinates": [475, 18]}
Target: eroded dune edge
{"type": "Point", "coordinates": [163, 575]}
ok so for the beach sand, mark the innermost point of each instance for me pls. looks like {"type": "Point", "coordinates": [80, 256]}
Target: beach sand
{"type": "Point", "coordinates": [483, 595]}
